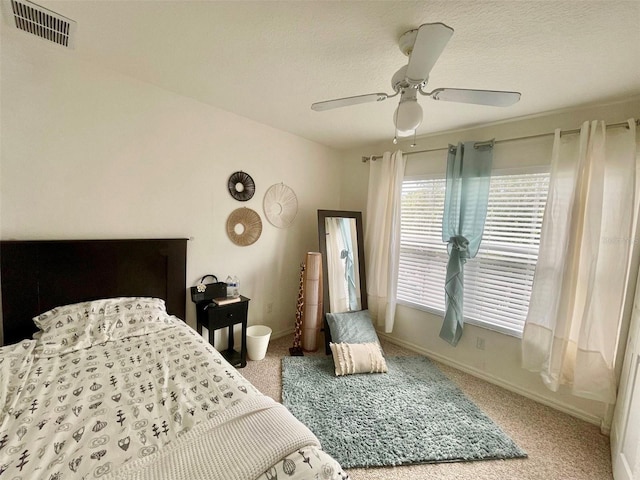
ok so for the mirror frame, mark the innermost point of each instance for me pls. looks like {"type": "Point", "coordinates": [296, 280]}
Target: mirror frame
{"type": "Point", "coordinates": [322, 234]}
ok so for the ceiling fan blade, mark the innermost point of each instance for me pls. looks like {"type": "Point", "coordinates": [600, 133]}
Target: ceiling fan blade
{"type": "Point", "coordinates": [344, 102]}
{"type": "Point", "coordinates": [494, 98]}
{"type": "Point", "coordinates": [430, 42]}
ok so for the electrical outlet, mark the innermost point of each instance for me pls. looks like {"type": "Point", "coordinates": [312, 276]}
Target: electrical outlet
{"type": "Point", "coordinates": [480, 343]}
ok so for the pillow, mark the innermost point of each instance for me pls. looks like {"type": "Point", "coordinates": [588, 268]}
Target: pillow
{"type": "Point", "coordinates": [63, 330]}
{"type": "Point", "coordinates": [352, 327]}
{"type": "Point", "coordinates": [68, 314]}
{"type": "Point", "coordinates": [350, 358]}
{"type": "Point", "coordinates": [80, 325]}
{"type": "Point", "coordinates": [132, 316]}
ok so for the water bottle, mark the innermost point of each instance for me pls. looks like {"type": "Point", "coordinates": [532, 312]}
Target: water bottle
{"type": "Point", "coordinates": [236, 287]}
{"type": "Point", "coordinates": [229, 282]}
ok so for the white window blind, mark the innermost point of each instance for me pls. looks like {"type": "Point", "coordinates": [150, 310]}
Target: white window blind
{"type": "Point", "coordinates": [498, 280]}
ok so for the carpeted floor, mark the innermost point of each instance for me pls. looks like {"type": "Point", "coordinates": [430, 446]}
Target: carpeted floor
{"type": "Point", "coordinates": [412, 414]}
{"type": "Point", "coordinates": [560, 447]}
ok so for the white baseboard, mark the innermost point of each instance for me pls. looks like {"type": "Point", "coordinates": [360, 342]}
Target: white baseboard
{"type": "Point", "coordinates": [561, 406]}
{"type": "Point", "coordinates": [282, 333]}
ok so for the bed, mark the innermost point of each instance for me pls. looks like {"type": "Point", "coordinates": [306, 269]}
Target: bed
{"type": "Point", "coordinates": [100, 377]}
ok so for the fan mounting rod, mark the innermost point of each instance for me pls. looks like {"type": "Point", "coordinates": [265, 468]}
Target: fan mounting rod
{"type": "Point", "coordinates": [407, 41]}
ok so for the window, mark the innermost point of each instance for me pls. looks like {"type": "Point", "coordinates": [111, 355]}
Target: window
{"type": "Point", "coordinates": [498, 280]}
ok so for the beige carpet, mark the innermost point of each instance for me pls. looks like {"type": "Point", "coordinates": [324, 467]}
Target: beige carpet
{"type": "Point", "coordinates": [559, 446]}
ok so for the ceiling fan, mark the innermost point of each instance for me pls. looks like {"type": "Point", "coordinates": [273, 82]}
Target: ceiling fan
{"type": "Point", "coordinates": [423, 46]}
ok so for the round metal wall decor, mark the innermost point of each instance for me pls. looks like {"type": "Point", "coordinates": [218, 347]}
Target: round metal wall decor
{"type": "Point", "coordinates": [244, 226]}
{"type": "Point", "coordinates": [280, 205]}
{"type": "Point", "coordinates": [241, 186]}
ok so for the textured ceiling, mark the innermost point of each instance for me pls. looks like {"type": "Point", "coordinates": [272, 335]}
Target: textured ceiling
{"type": "Point", "coordinates": [269, 61]}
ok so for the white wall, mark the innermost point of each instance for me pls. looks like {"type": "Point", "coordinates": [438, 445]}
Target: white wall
{"type": "Point", "coordinates": [499, 362]}
{"type": "Point", "coordinates": [89, 153]}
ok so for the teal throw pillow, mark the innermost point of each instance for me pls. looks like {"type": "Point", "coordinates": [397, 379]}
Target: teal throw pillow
{"type": "Point", "coordinates": [352, 327]}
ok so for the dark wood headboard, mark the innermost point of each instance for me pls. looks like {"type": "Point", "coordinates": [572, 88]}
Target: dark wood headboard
{"type": "Point", "coordinates": [37, 276]}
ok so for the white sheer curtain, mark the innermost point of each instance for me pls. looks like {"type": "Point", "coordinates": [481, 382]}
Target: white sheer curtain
{"type": "Point", "coordinates": [574, 319]}
{"type": "Point", "coordinates": [382, 236]}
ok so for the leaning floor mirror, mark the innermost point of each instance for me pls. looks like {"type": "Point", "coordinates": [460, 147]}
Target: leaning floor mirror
{"type": "Point", "coordinates": [341, 242]}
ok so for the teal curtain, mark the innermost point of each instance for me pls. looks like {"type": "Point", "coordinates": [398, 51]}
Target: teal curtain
{"type": "Point", "coordinates": [465, 209]}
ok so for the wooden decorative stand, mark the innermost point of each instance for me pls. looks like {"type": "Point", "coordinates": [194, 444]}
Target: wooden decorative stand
{"type": "Point", "coordinates": [296, 350]}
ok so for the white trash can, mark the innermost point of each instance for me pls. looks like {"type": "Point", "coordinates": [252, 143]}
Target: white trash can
{"type": "Point", "coordinates": [257, 341]}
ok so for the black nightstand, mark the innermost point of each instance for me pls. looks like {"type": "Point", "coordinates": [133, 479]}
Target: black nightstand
{"type": "Point", "coordinates": [214, 317]}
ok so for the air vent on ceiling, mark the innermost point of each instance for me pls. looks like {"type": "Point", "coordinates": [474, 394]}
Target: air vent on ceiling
{"type": "Point", "coordinates": [44, 23]}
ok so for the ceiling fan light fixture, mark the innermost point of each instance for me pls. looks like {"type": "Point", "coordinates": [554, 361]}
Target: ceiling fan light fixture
{"type": "Point", "coordinates": [405, 133]}
{"type": "Point", "coordinates": [407, 117]}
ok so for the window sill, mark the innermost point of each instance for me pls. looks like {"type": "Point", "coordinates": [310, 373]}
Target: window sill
{"type": "Point", "coordinates": [470, 321]}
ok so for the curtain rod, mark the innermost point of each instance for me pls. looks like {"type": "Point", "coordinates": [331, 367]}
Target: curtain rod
{"type": "Point", "coordinates": [526, 137]}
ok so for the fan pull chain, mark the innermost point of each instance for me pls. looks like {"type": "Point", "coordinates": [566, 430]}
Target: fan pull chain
{"type": "Point", "coordinates": [413, 144]}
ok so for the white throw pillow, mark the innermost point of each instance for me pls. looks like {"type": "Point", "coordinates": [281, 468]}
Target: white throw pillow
{"type": "Point", "coordinates": [350, 358]}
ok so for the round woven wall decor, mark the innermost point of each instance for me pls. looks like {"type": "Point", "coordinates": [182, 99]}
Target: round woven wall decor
{"type": "Point", "coordinates": [244, 226]}
{"type": "Point", "coordinates": [241, 186]}
{"type": "Point", "coordinates": [280, 205]}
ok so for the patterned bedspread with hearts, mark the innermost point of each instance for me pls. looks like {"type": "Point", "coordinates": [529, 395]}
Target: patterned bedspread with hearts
{"type": "Point", "coordinates": [86, 413]}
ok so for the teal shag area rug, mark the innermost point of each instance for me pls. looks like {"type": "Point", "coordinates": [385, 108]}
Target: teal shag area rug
{"type": "Point", "coordinates": [412, 414]}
